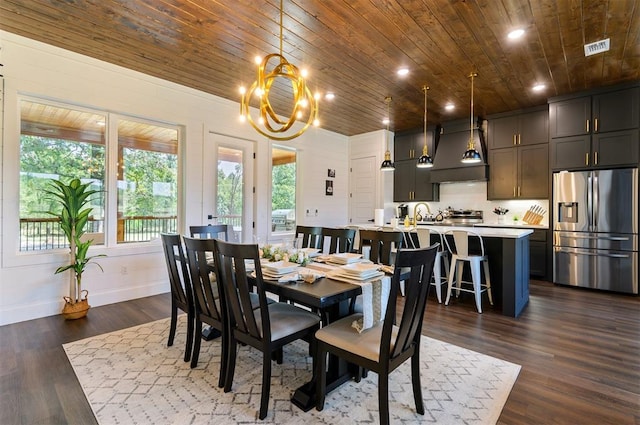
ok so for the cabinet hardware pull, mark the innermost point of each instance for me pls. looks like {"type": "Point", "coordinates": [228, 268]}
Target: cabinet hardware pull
{"type": "Point", "coordinates": [587, 126]}
{"type": "Point", "coordinates": [518, 191]}
{"type": "Point", "coordinates": [514, 140]}
{"type": "Point", "coordinates": [595, 125]}
{"type": "Point", "coordinates": [519, 142]}
{"type": "Point", "coordinates": [586, 158]}
{"type": "Point", "coordinates": [514, 191]}
{"type": "Point", "coordinates": [595, 158]}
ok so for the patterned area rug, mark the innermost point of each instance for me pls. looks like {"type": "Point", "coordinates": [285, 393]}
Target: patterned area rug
{"type": "Point", "coordinates": [132, 377]}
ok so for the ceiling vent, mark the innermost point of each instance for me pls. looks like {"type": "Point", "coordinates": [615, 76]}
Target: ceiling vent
{"type": "Point", "coordinates": [596, 47]}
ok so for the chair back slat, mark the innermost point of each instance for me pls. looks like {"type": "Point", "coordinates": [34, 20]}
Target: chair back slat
{"type": "Point", "coordinates": [233, 276]}
{"type": "Point", "coordinates": [381, 243]}
{"type": "Point", "coordinates": [207, 293]}
{"type": "Point", "coordinates": [420, 264]}
{"type": "Point", "coordinates": [311, 236]}
{"type": "Point", "coordinates": [340, 239]}
{"type": "Point", "coordinates": [177, 268]}
{"type": "Point", "coordinates": [210, 231]}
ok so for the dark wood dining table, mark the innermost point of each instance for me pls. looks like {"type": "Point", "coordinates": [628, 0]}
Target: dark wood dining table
{"type": "Point", "coordinates": [331, 298]}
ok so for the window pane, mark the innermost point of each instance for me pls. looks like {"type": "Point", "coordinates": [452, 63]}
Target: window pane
{"type": "Point", "coordinates": [63, 144]}
{"type": "Point", "coordinates": [147, 181]}
{"type": "Point", "coordinates": [283, 203]}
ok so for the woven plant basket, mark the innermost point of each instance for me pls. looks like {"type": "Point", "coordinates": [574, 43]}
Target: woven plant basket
{"type": "Point", "coordinates": [78, 310]}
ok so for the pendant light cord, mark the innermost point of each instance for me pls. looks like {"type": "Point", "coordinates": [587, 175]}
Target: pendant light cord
{"type": "Point", "coordinates": [425, 89]}
{"type": "Point", "coordinates": [281, 25]}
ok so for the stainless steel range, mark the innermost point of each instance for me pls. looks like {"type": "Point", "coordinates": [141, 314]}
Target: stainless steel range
{"type": "Point", "coordinates": [462, 218]}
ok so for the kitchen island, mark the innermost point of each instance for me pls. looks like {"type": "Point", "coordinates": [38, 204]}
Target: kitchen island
{"type": "Point", "coordinates": [508, 253]}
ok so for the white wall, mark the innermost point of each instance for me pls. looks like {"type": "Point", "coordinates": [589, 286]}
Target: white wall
{"type": "Point", "coordinates": [28, 287]}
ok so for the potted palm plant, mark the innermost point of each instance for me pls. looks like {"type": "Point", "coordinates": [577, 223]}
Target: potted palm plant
{"type": "Point", "coordinates": [73, 215]}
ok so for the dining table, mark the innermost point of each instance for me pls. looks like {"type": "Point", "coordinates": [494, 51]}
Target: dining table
{"type": "Point", "coordinates": [332, 299]}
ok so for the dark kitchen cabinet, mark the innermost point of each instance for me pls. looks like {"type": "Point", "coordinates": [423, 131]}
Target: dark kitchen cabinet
{"type": "Point", "coordinates": [519, 155]}
{"type": "Point", "coordinates": [596, 131]}
{"type": "Point", "coordinates": [409, 144]}
{"type": "Point", "coordinates": [529, 128]}
{"type": "Point", "coordinates": [538, 253]}
{"type": "Point", "coordinates": [411, 183]}
{"type": "Point", "coordinates": [519, 173]}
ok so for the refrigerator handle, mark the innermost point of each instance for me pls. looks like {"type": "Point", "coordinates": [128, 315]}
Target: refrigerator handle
{"type": "Point", "coordinates": [596, 205]}
{"type": "Point", "coordinates": [590, 202]}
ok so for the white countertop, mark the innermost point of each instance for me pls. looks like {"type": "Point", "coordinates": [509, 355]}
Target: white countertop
{"type": "Point", "coordinates": [490, 232]}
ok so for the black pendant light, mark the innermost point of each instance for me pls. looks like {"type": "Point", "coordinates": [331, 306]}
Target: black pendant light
{"type": "Point", "coordinates": [387, 165]}
{"type": "Point", "coordinates": [471, 155]}
{"type": "Point", "coordinates": [425, 160]}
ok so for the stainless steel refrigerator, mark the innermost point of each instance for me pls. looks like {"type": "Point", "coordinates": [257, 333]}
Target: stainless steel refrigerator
{"type": "Point", "coordinates": [595, 229]}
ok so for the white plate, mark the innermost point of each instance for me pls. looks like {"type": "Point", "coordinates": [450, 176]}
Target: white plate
{"type": "Point", "coordinates": [311, 252]}
{"type": "Point", "coordinates": [360, 268]}
{"type": "Point", "coordinates": [349, 278]}
{"type": "Point", "coordinates": [280, 267]}
{"type": "Point", "coordinates": [345, 258]}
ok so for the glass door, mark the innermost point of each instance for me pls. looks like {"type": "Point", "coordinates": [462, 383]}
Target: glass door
{"type": "Point", "coordinates": [232, 201]}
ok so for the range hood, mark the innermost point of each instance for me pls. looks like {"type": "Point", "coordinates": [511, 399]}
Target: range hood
{"type": "Point", "coordinates": [450, 145]}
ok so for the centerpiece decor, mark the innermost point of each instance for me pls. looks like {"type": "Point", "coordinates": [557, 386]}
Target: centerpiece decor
{"type": "Point", "coordinates": [279, 253]}
{"type": "Point", "coordinates": [73, 214]}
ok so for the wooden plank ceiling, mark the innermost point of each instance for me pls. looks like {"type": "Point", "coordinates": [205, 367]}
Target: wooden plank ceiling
{"type": "Point", "coordinates": [354, 47]}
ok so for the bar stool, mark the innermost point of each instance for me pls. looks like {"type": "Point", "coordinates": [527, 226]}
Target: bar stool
{"type": "Point", "coordinates": [459, 255]}
{"type": "Point", "coordinates": [442, 256]}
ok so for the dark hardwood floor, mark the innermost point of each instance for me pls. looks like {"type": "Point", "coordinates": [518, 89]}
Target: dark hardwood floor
{"type": "Point", "coordinates": [579, 351]}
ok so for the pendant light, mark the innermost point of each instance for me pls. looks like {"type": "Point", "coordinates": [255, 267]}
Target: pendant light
{"type": "Point", "coordinates": [387, 165]}
{"type": "Point", "coordinates": [471, 156]}
{"type": "Point", "coordinates": [425, 160]}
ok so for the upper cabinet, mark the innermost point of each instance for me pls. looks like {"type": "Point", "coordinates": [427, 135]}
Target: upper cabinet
{"type": "Point", "coordinates": [596, 131]}
{"type": "Point", "coordinates": [518, 155]}
{"type": "Point", "coordinates": [529, 128]}
{"type": "Point", "coordinates": [411, 183]}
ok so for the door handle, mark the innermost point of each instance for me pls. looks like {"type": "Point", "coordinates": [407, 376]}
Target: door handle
{"type": "Point", "coordinates": [586, 158]}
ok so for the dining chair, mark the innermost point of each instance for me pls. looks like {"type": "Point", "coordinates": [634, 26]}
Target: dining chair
{"type": "Point", "coordinates": [386, 346]}
{"type": "Point", "coordinates": [442, 259]}
{"type": "Point", "coordinates": [267, 328]}
{"type": "Point", "coordinates": [208, 298]}
{"type": "Point", "coordinates": [181, 290]}
{"type": "Point", "coordinates": [311, 237]}
{"type": "Point", "coordinates": [460, 255]}
{"type": "Point", "coordinates": [210, 231]}
{"type": "Point", "coordinates": [381, 243]}
{"type": "Point", "coordinates": [340, 239]}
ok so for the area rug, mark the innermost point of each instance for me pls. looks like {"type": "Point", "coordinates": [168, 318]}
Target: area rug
{"type": "Point", "coordinates": [132, 377]}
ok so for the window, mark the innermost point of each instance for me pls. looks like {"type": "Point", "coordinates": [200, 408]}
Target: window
{"type": "Point", "coordinates": [66, 142]}
{"type": "Point", "coordinates": [57, 143]}
{"type": "Point", "coordinates": [147, 181]}
{"type": "Point", "coordinates": [283, 195]}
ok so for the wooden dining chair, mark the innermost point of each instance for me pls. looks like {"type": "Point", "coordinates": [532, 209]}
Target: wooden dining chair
{"type": "Point", "coordinates": [340, 239]}
{"type": "Point", "coordinates": [267, 328]}
{"type": "Point", "coordinates": [311, 236]}
{"type": "Point", "coordinates": [382, 244]}
{"type": "Point", "coordinates": [386, 346]}
{"type": "Point", "coordinates": [181, 290]}
{"type": "Point", "coordinates": [210, 231]}
{"type": "Point", "coordinates": [208, 299]}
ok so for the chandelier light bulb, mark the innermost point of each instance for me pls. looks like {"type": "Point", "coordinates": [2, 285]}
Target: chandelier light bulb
{"type": "Point", "coordinates": [316, 123]}
{"type": "Point", "coordinates": [257, 60]}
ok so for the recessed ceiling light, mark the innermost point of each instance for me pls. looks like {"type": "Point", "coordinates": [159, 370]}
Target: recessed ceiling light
{"type": "Point", "coordinates": [385, 121]}
{"type": "Point", "coordinates": [538, 87]}
{"type": "Point", "coordinates": [329, 96]}
{"type": "Point", "coordinates": [449, 106]}
{"type": "Point", "coordinates": [515, 34]}
{"type": "Point", "coordinates": [402, 72]}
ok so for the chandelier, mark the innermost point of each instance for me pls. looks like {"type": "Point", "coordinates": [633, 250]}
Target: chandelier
{"type": "Point", "coordinates": [304, 106]}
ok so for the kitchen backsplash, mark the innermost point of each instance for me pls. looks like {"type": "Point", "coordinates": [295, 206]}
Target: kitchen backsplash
{"type": "Point", "coordinates": [473, 196]}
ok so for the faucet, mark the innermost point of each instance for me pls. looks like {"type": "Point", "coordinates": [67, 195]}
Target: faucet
{"type": "Point", "coordinates": [415, 211]}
